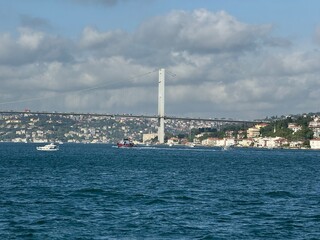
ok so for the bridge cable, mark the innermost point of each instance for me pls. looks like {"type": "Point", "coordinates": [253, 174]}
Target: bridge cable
{"type": "Point", "coordinates": [76, 91]}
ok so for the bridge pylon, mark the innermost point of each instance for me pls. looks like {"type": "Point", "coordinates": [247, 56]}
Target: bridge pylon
{"type": "Point", "coordinates": [161, 105]}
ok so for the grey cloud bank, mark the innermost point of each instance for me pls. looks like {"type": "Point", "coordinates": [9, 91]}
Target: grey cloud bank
{"type": "Point", "coordinates": [222, 68]}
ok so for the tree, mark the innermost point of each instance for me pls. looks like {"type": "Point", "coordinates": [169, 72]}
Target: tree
{"type": "Point", "coordinates": [304, 134]}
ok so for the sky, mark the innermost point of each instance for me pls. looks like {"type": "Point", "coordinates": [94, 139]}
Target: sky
{"type": "Point", "coordinates": [245, 59]}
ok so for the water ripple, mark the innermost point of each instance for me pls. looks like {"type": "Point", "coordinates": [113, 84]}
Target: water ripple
{"type": "Point", "coordinates": [100, 192]}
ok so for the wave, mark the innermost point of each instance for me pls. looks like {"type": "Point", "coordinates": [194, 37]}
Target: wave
{"type": "Point", "coordinates": [280, 194]}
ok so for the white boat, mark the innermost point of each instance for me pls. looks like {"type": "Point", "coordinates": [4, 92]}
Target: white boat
{"type": "Point", "coordinates": [225, 148]}
{"type": "Point", "coordinates": [48, 147]}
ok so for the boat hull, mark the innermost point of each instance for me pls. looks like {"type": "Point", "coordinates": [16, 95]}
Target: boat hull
{"type": "Point", "coordinates": [48, 148]}
{"type": "Point", "coordinates": [125, 143]}
{"type": "Point", "coordinates": [121, 145]}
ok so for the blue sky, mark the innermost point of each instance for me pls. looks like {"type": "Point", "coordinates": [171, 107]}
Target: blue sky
{"type": "Point", "coordinates": [291, 17]}
{"type": "Point", "coordinates": [234, 58]}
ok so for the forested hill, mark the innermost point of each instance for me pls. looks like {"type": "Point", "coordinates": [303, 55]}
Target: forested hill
{"type": "Point", "coordinates": [279, 127]}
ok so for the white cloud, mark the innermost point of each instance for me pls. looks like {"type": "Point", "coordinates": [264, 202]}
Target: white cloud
{"type": "Point", "coordinates": [92, 38]}
{"type": "Point", "coordinates": [201, 31]}
{"type": "Point", "coordinates": [30, 39]}
{"type": "Point", "coordinates": [217, 66]}
{"type": "Point", "coordinates": [33, 46]}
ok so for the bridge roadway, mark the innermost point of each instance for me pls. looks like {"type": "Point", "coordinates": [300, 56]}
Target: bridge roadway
{"type": "Point", "coordinates": [132, 116]}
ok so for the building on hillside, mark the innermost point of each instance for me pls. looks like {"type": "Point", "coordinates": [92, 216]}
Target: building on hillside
{"type": "Point", "coordinates": [196, 141]}
{"type": "Point", "coordinates": [229, 134]}
{"type": "Point", "coordinates": [253, 132]}
{"type": "Point", "coordinates": [199, 135]}
{"type": "Point", "coordinates": [241, 134]}
{"type": "Point", "coordinates": [294, 127]}
{"type": "Point", "coordinates": [14, 121]}
{"type": "Point", "coordinates": [261, 125]}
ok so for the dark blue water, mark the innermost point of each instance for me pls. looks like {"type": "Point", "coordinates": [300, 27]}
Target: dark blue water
{"type": "Point", "coordinates": [101, 192]}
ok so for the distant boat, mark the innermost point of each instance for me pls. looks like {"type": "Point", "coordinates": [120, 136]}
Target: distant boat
{"type": "Point", "coordinates": [125, 143]}
{"type": "Point", "coordinates": [227, 147]}
{"type": "Point", "coordinates": [190, 145]}
{"type": "Point", "coordinates": [49, 147]}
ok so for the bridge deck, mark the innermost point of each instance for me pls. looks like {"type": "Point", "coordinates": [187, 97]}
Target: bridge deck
{"type": "Point", "coordinates": [132, 116]}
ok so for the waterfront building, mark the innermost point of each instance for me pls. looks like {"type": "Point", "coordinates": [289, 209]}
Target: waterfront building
{"type": "Point", "coordinates": [315, 143]}
{"type": "Point", "coordinates": [246, 142]}
{"type": "Point", "coordinates": [296, 144]}
{"type": "Point", "coordinates": [209, 141]}
{"type": "Point", "coordinates": [271, 142]}
{"type": "Point", "coordinates": [173, 140]}
{"type": "Point", "coordinates": [148, 137]}
{"type": "Point", "coordinates": [315, 127]}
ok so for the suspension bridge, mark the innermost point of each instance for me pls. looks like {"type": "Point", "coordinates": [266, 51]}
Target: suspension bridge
{"type": "Point", "coordinates": [161, 112]}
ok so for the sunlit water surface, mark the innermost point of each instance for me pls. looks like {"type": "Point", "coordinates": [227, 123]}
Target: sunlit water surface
{"type": "Point", "coordinates": [86, 191]}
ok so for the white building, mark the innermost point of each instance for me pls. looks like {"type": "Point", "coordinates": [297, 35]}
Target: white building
{"type": "Point", "coordinates": [218, 142]}
{"type": "Point", "coordinates": [209, 141]}
{"type": "Point", "coordinates": [315, 143]}
{"type": "Point", "coordinates": [296, 144]}
{"type": "Point", "coordinates": [148, 137]}
{"type": "Point", "coordinates": [253, 132]}
{"type": "Point", "coordinates": [226, 142]}
{"type": "Point", "coordinates": [246, 142]}
{"type": "Point", "coordinates": [294, 127]}
{"type": "Point", "coordinates": [315, 127]}
{"type": "Point", "coordinates": [173, 140]}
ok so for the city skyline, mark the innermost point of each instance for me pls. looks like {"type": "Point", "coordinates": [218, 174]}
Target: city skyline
{"type": "Point", "coordinates": [223, 58]}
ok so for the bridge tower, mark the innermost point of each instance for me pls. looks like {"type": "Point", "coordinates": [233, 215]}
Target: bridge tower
{"type": "Point", "coordinates": [161, 106]}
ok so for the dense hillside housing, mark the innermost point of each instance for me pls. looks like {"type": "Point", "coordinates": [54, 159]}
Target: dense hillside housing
{"type": "Point", "coordinates": [299, 132]}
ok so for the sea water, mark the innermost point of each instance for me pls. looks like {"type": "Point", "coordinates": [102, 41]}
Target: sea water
{"type": "Point", "coordinates": [97, 191]}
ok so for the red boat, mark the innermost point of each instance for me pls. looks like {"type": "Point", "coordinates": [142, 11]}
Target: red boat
{"type": "Point", "coordinates": [125, 143]}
